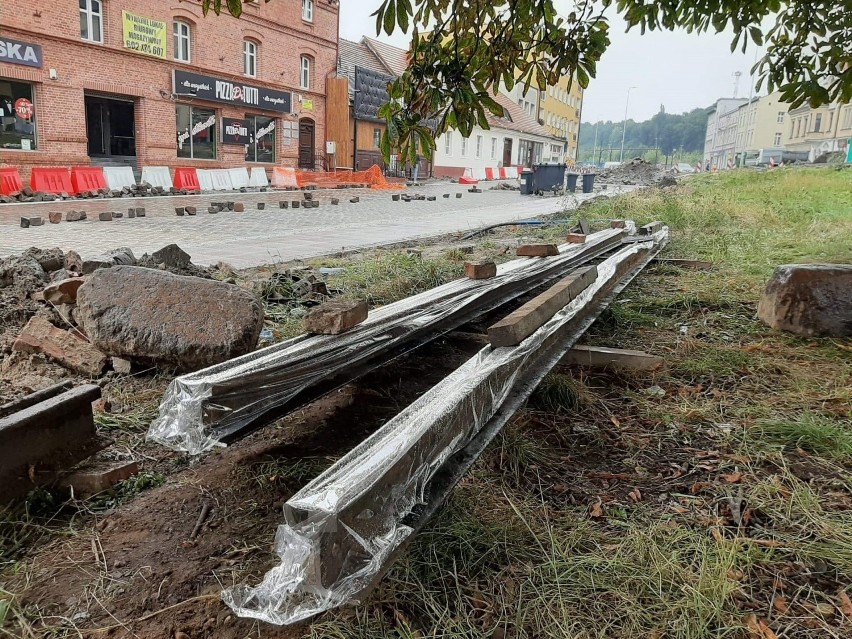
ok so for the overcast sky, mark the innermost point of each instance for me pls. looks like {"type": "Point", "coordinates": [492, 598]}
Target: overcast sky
{"type": "Point", "coordinates": [677, 69]}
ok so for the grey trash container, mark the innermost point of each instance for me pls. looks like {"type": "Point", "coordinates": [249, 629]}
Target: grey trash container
{"type": "Point", "coordinates": [547, 177]}
{"type": "Point", "coordinates": [572, 181]}
{"type": "Point", "coordinates": [527, 182]}
{"type": "Point", "coordinates": [588, 182]}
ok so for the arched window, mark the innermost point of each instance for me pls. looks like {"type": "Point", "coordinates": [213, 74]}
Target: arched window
{"type": "Point", "coordinates": [182, 41]}
{"type": "Point", "coordinates": [250, 58]}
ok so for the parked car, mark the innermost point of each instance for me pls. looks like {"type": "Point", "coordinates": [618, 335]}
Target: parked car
{"type": "Point", "coordinates": [683, 167]}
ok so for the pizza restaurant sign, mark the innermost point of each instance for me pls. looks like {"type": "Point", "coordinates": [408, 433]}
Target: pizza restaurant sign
{"type": "Point", "coordinates": [205, 87]}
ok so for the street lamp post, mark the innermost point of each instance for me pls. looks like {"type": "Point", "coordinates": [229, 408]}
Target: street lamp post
{"type": "Point", "coordinates": [624, 127]}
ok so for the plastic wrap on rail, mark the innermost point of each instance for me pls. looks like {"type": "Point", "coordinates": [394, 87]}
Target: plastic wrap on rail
{"type": "Point", "coordinates": [240, 389]}
{"type": "Point", "coordinates": [341, 528]}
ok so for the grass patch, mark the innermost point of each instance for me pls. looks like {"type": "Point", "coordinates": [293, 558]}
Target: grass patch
{"type": "Point", "coordinates": [816, 434]}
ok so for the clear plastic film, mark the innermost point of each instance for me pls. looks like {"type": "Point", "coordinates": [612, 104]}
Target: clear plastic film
{"type": "Point", "coordinates": [342, 527]}
{"type": "Point", "coordinates": [198, 405]}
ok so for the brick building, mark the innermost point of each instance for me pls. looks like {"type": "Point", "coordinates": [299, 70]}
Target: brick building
{"type": "Point", "coordinates": [143, 82]}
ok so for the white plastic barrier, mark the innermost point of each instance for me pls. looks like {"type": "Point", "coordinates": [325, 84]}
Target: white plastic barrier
{"type": "Point", "coordinates": [221, 179]}
{"type": "Point", "coordinates": [478, 174]}
{"type": "Point", "coordinates": [117, 177]}
{"type": "Point", "coordinates": [258, 177]}
{"type": "Point", "coordinates": [157, 176]}
{"type": "Point", "coordinates": [204, 179]}
{"type": "Point", "coordinates": [511, 172]}
{"type": "Point", "coordinates": [239, 177]}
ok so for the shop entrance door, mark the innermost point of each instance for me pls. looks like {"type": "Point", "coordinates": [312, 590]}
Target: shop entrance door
{"type": "Point", "coordinates": [306, 143]}
{"type": "Point", "coordinates": [507, 151]}
{"type": "Point", "coordinates": [110, 127]}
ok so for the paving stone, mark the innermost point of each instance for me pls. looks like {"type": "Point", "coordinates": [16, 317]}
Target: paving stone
{"type": "Point", "coordinates": [283, 204]}
{"type": "Point", "coordinates": [446, 196]}
{"type": "Point", "coordinates": [27, 222]}
{"type": "Point", "coordinates": [335, 201]}
{"type": "Point", "coordinates": [296, 204]}
{"type": "Point", "coordinates": [212, 209]}
{"type": "Point", "coordinates": [458, 195]}
{"type": "Point", "coordinates": [118, 214]}
{"type": "Point", "coordinates": [55, 217]}
{"type": "Point", "coordinates": [179, 210]}
{"type": "Point", "coordinates": [105, 216]}
{"type": "Point", "coordinates": [355, 200]}
{"type": "Point", "coordinates": [239, 207]}
{"type": "Point", "coordinates": [261, 206]}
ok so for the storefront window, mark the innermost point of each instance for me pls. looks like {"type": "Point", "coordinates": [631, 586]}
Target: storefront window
{"type": "Point", "coordinates": [17, 116]}
{"type": "Point", "coordinates": [196, 132]}
{"type": "Point", "coordinates": [262, 145]}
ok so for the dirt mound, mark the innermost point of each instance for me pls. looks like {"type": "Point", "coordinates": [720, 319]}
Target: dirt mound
{"type": "Point", "coordinates": [635, 172]}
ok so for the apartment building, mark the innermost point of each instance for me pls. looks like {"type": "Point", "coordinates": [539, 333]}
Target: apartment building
{"type": "Point", "coordinates": [561, 110]}
{"type": "Point", "coordinates": [142, 82]}
{"type": "Point", "coordinates": [721, 135]}
{"type": "Point", "coordinates": [761, 125]}
{"type": "Point", "coordinates": [816, 131]}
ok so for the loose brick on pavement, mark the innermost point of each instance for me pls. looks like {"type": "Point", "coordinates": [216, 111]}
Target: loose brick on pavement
{"type": "Point", "coordinates": [480, 270]}
{"type": "Point", "coordinates": [537, 250]}
{"type": "Point", "coordinates": [575, 238]}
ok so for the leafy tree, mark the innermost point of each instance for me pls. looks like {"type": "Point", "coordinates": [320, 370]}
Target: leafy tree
{"type": "Point", "coordinates": [463, 50]}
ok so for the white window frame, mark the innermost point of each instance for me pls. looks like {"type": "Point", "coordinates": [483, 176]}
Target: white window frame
{"type": "Point", "coordinates": [179, 37]}
{"type": "Point", "coordinates": [448, 143]}
{"type": "Point", "coordinates": [780, 118]}
{"type": "Point", "coordinates": [478, 147]}
{"type": "Point", "coordinates": [464, 147]}
{"type": "Point", "coordinates": [308, 10]}
{"type": "Point", "coordinates": [777, 141]}
{"type": "Point", "coordinates": [90, 13]}
{"type": "Point", "coordinates": [493, 148]}
{"type": "Point", "coordinates": [250, 55]}
{"type": "Point", "coordinates": [304, 72]}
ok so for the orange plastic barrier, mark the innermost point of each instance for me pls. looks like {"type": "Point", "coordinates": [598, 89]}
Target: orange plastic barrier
{"type": "Point", "coordinates": [10, 180]}
{"type": "Point", "coordinates": [372, 177]}
{"type": "Point", "coordinates": [51, 180]}
{"type": "Point", "coordinates": [87, 178]}
{"type": "Point", "coordinates": [283, 177]}
{"type": "Point", "coordinates": [186, 178]}
{"type": "Point", "coordinates": [467, 180]}
{"type": "Point", "coordinates": [489, 173]}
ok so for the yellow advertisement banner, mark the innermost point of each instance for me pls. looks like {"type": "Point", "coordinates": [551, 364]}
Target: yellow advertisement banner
{"type": "Point", "coordinates": [307, 105]}
{"type": "Point", "coordinates": [144, 35]}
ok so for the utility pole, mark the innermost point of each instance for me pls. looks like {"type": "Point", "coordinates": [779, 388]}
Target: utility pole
{"type": "Point", "coordinates": [624, 127]}
{"type": "Point", "coordinates": [595, 148]}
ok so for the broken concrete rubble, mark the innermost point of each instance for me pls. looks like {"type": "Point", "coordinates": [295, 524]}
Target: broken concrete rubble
{"type": "Point", "coordinates": [148, 315]}
{"type": "Point", "coordinates": [120, 256]}
{"type": "Point", "coordinates": [70, 350]}
{"type": "Point", "coordinates": [63, 291]}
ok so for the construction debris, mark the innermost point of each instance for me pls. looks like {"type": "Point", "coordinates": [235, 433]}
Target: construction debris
{"type": "Point", "coordinates": [152, 316]}
{"type": "Point", "coordinates": [335, 317]}
{"type": "Point", "coordinates": [68, 348]}
{"type": "Point", "coordinates": [43, 437]}
{"type": "Point", "coordinates": [345, 527]}
{"type": "Point", "coordinates": [598, 357]}
{"type": "Point", "coordinates": [537, 250]}
{"type": "Point", "coordinates": [480, 270]}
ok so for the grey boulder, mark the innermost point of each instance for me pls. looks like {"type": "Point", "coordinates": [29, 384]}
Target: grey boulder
{"type": "Point", "coordinates": [809, 299]}
{"type": "Point", "coordinates": [153, 316]}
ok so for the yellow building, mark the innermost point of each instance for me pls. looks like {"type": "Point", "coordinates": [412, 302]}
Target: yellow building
{"type": "Point", "coordinates": [561, 110]}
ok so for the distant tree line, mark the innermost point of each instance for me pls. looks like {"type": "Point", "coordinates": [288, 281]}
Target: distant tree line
{"type": "Point", "coordinates": [666, 133]}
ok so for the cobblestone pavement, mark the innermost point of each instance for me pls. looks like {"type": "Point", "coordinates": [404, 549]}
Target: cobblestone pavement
{"type": "Point", "coordinates": [258, 237]}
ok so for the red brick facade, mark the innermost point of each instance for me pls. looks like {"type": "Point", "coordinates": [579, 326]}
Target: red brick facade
{"type": "Point", "coordinates": [75, 70]}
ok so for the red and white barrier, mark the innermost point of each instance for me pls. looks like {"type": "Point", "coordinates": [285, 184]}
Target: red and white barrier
{"type": "Point", "coordinates": [118, 177]}
{"type": "Point", "coordinates": [258, 177]}
{"type": "Point", "coordinates": [157, 176]}
{"type": "Point", "coordinates": [10, 180]}
{"type": "Point", "coordinates": [205, 180]}
{"type": "Point", "coordinates": [283, 177]}
{"type": "Point", "coordinates": [473, 176]}
{"type": "Point", "coordinates": [51, 179]}
{"type": "Point", "coordinates": [239, 177]}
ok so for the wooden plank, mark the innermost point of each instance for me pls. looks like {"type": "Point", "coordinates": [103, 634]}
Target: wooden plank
{"type": "Point", "coordinates": [517, 326]}
{"type": "Point", "coordinates": [599, 357]}
{"type": "Point", "coordinates": [698, 265]}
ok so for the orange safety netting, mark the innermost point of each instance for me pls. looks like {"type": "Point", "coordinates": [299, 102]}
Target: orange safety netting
{"type": "Point", "coordinates": [372, 177]}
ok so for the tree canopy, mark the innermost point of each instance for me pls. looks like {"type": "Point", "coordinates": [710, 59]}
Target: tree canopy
{"type": "Point", "coordinates": [463, 50]}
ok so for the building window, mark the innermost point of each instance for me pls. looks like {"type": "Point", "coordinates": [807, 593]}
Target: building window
{"type": "Point", "coordinates": [493, 148]}
{"type": "Point", "coordinates": [830, 120]}
{"type": "Point", "coordinates": [305, 72]}
{"type": "Point", "coordinates": [847, 118]}
{"type": "Point", "coordinates": [91, 20]}
{"type": "Point", "coordinates": [478, 146]}
{"type": "Point", "coordinates": [777, 139]}
{"type": "Point", "coordinates": [780, 117]}
{"type": "Point", "coordinates": [308, 10]}
{"type": "Point", "coordinates": [182, 41]}
{"type": "Point", "coordinates": [17, 116]}
{"type": "Point", "coordinates": [196, 132]}
{"type": "Point", "coordinates": [448, 143]}
{"type": "Point", "coordinates": [250, 58]}
{"type": "Point", "coordinates": [377, 138]}
{"type": "Point", "coordinates": [818, 122]}
{"type": "Point", "coordinates": [261, 148]}
{"type": "Point", "coordinates": [464, 147]}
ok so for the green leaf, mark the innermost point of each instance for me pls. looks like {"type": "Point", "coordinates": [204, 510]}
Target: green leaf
{"type": "Point", "coordinates": [390, 17]}
{"type": "Point", "coordinates": [235, 8]}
